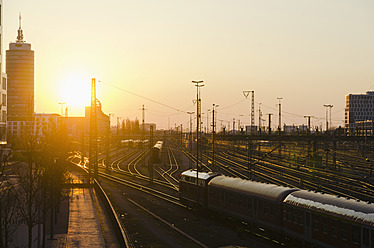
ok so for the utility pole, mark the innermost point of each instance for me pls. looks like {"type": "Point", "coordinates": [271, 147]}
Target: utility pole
{"type": "Point", "coordinates": [308, 116]}
{"type": "Point", "coordinates": [143, 123]}
{"type": "Point", "coordinates": [93, 132]}
{"type": "Point", "coordinates": [280, 115]}
{"type": "Point", "coordinates": [207, 121]}
{"type": "Point", "coordinates": [259, 118]}
{"type": "Point", "coordinates": [213, 134]}
{"type": "Point", "coordinates": [269, 128]}
{"type": "Point", "coordinates": [233, 126]}
{"type": "Point", "coordinates": [246, 94]}
{"type": "Point", "coordinates": [143, 131]}
{"type": "Point", "coordinates": [181, 144]}
{"type": "Point", "coordinates": [191, 138]}
{"type": "Point", "coordinates": [150, 166]}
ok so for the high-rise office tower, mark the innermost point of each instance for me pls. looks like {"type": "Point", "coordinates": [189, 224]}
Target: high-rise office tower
{"type": "Point", "coordinates": [20, 73]}
{"type": "Point", "coordinates": [3, 83]}
{"type": "Point", "coordinates": [358, 108]}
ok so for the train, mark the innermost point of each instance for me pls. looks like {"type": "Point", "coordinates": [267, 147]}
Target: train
{"type": "Point", "coordinates": [312, 219]}
{"type": "Point", "coordinates": [156, 152]}
{"type": "Point", "coordinates": [134, 143]}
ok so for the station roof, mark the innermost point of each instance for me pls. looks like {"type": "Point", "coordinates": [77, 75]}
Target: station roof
{"type": "Point", "coordinates": [252, 188]}
{"type": "Point", "coordinates": [349, 209]}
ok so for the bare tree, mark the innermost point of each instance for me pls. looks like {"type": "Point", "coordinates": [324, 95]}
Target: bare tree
{"type": "Point", "coordinates": [8, 213]}
{"type": "Point", "coordinates": [29, 180]}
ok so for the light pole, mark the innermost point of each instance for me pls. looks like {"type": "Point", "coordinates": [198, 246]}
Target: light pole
{"type": "Point", "coordinates": [62, 107]}
{"type": "Point", "coordinates": [280, 115]}
{"type": "Point", "coordinates": [198, 85]}
{"type": "Point", "coordinates": [327, 122]}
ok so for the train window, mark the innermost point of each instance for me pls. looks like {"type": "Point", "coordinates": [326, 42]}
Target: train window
{"type": "Point", "coordinates": [365, 237]}
{"type": "Point", "coordinates": [334, 228]}
{"type": "Point", "coordinates": [355, 234]}
{"type": "Point", "coordinates": [227, 197]}
{"type": "Point", "coordinates": [274, 210]}
{"type": "Point", "coordinates": [344, 230]}
{"type": "Point", "coordinates": [301, 219]}
{"type": "Point", "coordinates": [315, 222]}
{"type": "Point", "coordinates": [294, 217]}
{"type": "Point", "coordinates": [266, 209]}
{"type": "Point", "coordinates": [249, 203]}
{"type": "Point", "coordinates": [325, 225]}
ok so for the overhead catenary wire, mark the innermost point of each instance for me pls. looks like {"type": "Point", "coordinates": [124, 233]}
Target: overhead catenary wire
{"type": "Point", "coordinates": [221, 108]}
{"type": "Point", "coordinates": [144, 97]}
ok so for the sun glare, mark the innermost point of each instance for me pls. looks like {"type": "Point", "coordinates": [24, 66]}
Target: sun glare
{"type": "Point", "coordinates": [75, 92]}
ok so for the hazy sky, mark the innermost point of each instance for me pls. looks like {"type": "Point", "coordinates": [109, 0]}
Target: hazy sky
{"type": "Point", "coordinates": [309, 52]}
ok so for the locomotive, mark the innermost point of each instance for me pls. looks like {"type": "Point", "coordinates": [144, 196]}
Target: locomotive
{"type": "Point", "coordinates": [315, 219]}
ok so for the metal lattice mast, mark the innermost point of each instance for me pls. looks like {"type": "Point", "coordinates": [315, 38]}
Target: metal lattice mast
{"type": "Point", "coordinates": [93, 131]}
{"type": "Point", "coordinates": [252, 116]}
{"type": "Point", "coordinates": [253, 111]}
{"type": "Point", "coordinates": [198, 85]}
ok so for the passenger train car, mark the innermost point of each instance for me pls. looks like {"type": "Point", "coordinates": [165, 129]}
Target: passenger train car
{"type": "Point", "coordinates": [315, 219]}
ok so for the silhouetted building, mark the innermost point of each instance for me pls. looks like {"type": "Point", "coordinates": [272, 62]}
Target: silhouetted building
{"type": "Point", "coordinates": [147, 127]}
{"type": "Point", "coordinates": [79, 127]}
{"type": "Point", "coordinates": [42, 124]}
{"type": "Point", "coordinates": [358, 108]}
{"type": "Point", "coordinates": [20, 72]}
{"type": "Point", "coordinates": [3, 82]}
{"type": "Point", "coordinates": [103, 122]}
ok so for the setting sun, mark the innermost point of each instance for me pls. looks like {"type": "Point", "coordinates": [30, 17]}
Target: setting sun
{"type": "Point", "coordinates": [75, 92]}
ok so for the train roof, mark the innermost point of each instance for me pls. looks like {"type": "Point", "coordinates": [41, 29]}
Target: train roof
{"type": "Point", "coordinates": [349, 209]}
{"type": "Point", "coordinates": [262, 190]}
{"type": "Point", "coordinates": [202, 175]}
{"type": "Point", "coordinates": [158, 145]}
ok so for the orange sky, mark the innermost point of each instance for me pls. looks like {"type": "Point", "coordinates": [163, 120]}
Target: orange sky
{"type": "Point", "coordinates": [309, 53]}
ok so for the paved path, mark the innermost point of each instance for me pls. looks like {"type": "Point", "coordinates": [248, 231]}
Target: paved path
{"type": "Point", "coordinates": [87, 221]}
{"type": "Point", "coordinates": [84, 229]}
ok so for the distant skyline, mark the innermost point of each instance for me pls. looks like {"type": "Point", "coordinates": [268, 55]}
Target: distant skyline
{"type": "Point", "coordinates": [310, 53]}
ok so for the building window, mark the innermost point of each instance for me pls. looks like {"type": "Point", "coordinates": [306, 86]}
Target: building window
{"type": "Point", "coordinates": [3, 115]}
{"type": "Point", "coordinates": [4, 100]}
{"type": "Point", "coordinates": [4, 83]}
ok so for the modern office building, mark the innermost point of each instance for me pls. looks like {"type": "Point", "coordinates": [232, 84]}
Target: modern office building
{"type": "Point", "coordinates": [20, 72]}
{"type": "Point", "coordinates": [20, 88]}
{"type": "Point", "coordinates": [359, 108]}
{"type": "Point", "coordinates": [3, 82]}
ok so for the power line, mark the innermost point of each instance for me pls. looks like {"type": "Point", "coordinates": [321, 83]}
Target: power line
{"type": "Point", "coordinates": [146, 98]}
